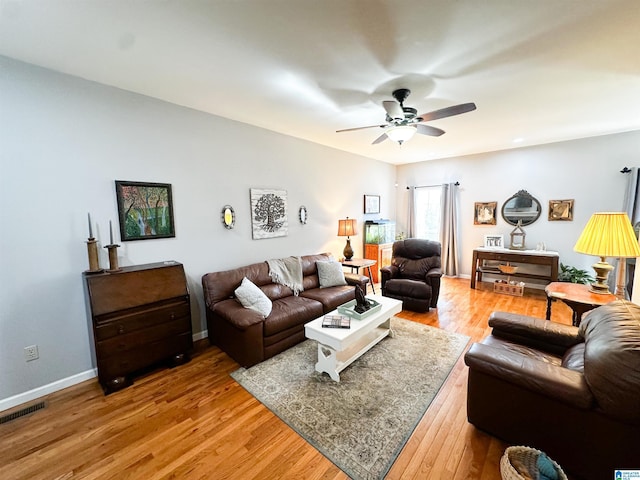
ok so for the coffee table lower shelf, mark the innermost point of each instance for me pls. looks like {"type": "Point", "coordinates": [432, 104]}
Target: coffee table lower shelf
{"type": "Point", "coordinates": [339, 348]}
{"type": "Point", "coordinates": [333, 361]}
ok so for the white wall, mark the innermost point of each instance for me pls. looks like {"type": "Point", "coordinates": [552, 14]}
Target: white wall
{"type": "Point", "coordinates": [65, 140]}
{"type": "Point", "coordinates": [586, 170]}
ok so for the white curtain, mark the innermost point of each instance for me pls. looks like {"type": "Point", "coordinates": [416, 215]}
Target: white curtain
{"type": "Point", "coordinates": [632, 207]}
{"type": "Point", "coordinates": [411, 221]}
{"type": "Point", "coordinates": [449, 230]}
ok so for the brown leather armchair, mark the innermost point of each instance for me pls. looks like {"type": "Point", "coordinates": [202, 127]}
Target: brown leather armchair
{"type": "Point", "coordinates": [571, 392]}
{"type": "Point", "coordinates": [414, 274]}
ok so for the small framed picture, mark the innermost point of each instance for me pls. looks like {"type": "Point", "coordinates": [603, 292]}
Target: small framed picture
{"type": "Point", "coordinates": [560, 210]}
{"type": "Point", "coordinates": [372, 204]}
{"type": "Point", "coordinates": [494, 241]}
{"type": "Point", "coordinates": [484, 213]}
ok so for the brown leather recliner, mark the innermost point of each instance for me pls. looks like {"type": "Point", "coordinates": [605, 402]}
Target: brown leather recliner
{"type": "Point", "coordinates": [414, 274]}
{"type": "Point", "coordinates": [572, 392]}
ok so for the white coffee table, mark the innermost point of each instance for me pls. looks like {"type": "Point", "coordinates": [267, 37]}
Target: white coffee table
{"type": "Point", "coordinates": [339, 347]}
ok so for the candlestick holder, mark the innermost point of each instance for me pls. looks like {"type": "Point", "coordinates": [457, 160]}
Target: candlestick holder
{"type": "Point", "coordinates": [92, 251]}
{"type": "Point", "coordinates": [113, 258]}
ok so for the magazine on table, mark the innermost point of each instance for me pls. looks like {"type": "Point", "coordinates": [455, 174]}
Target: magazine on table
{"type": "Point", "coordinates": [336, 321]}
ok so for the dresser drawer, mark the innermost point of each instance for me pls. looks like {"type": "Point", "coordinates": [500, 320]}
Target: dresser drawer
{"type": "Point", "coordinates": [124, 363]}
{"type": "Point", "coordinates": [142, 337]}
{"type": "Point", "coordinates": [138, 320]}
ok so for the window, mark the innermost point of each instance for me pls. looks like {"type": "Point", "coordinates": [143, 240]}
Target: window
{"type": "Point", "coordinates": [428, 208]}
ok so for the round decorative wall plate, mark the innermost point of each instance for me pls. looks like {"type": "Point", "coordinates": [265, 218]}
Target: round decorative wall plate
{"type": "Point", "coordinates": [303, 215]}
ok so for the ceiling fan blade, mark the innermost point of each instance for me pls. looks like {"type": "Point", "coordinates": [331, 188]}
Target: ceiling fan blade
{"type": "Point", "coordinates": [429, 130]}
{"type": "Point", "coordinates": [360, 128]}
{"type": "Point", "coordinates": [447, 112]}
{"type": "Point", "coordinates": [380, 139]}
{"type": "Point", "coordinates": [394, 110]}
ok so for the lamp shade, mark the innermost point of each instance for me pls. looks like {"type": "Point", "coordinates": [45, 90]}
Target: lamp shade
{"type": "Point", "coordinates": [608, 234]}
{"type": "Point", "coordinates": [401, 133]}
{"type": "Point", "coordinates": [347, 227]}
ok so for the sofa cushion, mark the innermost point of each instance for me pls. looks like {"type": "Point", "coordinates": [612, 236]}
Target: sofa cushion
{"type": "Point", "coordinates": [330, 274]}
{"type": "Point", "coordinates": [612, 357]}
{"type": "Point", "coordinates": [290, 311]}
{"type": "Point", "coordinates": [250, 296]}
{"type": "Point", "coordinates": [408, 288]}
{"type": "Point", "coordinates": [331, 297]}
{"type": "Point", "coordinates": [574, 358]}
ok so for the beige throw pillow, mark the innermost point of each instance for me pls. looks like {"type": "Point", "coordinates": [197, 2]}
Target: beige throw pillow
{"type": "Point", "coordinates": [330, 274]}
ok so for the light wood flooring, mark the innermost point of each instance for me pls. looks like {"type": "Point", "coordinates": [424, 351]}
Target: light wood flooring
{"type": "Point", "coordinates": [196, 422]}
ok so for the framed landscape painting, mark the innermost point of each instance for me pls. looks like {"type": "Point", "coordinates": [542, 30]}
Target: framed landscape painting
{"type": "Point", "coordinates": [145, 210]}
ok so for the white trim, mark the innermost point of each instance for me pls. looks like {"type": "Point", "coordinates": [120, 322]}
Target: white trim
{"type": "Point", "coordinates": [39, 392]}
{"type": "Point", "coordinates": [200, 335]}
{"type": "Point", "coordinates": [7, 403]}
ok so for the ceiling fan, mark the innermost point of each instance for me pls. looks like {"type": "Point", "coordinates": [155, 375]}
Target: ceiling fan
{"type": "Point", "coordinates": [403, 122]}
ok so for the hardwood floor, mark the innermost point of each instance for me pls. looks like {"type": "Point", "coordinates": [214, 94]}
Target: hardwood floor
{"type": "Point", "coordinates": [196, 422]}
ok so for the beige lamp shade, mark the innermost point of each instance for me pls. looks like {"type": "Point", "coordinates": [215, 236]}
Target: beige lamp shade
{"type": "Point", "coordinates": [347, 227]}
{"type": "Point", "coordinates": [608, 234]}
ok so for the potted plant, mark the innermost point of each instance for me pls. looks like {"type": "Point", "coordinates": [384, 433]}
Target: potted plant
{"type": "Point", "coordinates": [574, 275]}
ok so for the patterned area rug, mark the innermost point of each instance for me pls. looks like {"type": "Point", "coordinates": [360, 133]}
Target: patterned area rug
{"type": "Point", "coordinates": [362, 422]}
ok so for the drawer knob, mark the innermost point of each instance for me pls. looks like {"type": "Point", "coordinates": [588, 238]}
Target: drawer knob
{"type": "Point", "coordinates": [120, 328]}
{"type": "Point", "coordinates": [172, 316]}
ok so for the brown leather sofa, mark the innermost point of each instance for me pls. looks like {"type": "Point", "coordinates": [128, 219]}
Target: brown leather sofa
{"type": "Point", "coordinates": [414, 274]}
{"type": "Point", "coordinates": [247, 336]}
{"type": "Point", "coordinates": [572, 392]}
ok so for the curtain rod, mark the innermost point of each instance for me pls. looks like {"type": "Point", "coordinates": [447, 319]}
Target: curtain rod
{"type": "Point", "coordinates": [457, 184]}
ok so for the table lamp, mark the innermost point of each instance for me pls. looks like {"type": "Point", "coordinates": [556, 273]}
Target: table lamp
{"type": "Point", "coordinates": [346, 228]}
{"type": "Point", "coordinates": [608, 234]}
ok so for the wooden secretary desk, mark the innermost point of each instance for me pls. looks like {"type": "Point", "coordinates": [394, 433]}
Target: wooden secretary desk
{"type": "Point", "coordinates": [140, 316]}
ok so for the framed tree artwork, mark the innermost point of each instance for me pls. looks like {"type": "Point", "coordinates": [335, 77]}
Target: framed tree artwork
{"type": "Point", "coordinates": [145, 210]}
{"type": "Point", "coordinates": [268, 213]}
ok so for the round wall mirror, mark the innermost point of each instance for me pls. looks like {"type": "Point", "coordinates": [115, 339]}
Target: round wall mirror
{"type": "Point", "coordinates": [228, 217]}
{"type": "Point", "coordinates": [302, 214]}
{"type": "Point", "coordinates": [521, 207]}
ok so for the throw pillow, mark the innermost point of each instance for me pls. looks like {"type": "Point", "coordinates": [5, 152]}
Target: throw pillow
{"type": "Point", "coordinates": [252, 297]}
{"type": "Point", "coordinates": [330, 274]}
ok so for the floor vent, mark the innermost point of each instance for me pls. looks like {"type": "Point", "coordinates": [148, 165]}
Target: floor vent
{"type": "Point", "coordinates": [22, 412]}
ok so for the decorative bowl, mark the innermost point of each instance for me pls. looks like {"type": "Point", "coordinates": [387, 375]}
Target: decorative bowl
{"type": "Point", "coordinates": [508, 269]}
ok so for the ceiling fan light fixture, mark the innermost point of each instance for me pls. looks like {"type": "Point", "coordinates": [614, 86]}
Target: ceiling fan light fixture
{"type": "Point", "coordinates": [401, 133]}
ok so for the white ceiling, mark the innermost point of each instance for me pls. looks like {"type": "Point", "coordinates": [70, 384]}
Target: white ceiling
{"type": "Point", "coordinates": [539, 71]}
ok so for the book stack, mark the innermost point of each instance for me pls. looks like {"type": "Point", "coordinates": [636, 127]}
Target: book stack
{"type": "Point", "coordinates": [336, 321]}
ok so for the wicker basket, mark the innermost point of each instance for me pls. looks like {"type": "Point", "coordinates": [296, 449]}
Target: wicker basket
{"type": "Point", "coordinates": [526, 457]}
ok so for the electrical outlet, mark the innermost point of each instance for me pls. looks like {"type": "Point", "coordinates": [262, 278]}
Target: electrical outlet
{"type": "Point", "coordinates": [31, 353]}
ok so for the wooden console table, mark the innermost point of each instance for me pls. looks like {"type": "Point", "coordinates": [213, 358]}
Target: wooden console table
{"type": "Point", "coordinates": [533, 257]}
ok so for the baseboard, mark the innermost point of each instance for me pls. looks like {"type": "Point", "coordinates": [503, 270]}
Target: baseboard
{"type": "Point", "coordinates": [39, 392]}
{"type": "Point", "coordinates": [200, 335]}
{"type": "Point", "coordinates": [25, 397]}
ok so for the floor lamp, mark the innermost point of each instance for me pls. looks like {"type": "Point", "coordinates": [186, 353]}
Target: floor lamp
{"type": "Point", "coordinates": [608, 234]}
